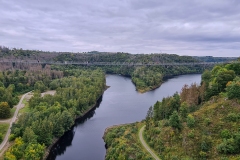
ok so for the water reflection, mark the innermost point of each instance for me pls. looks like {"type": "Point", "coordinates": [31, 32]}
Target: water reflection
{"type": "Point", "coordinates": [66, 140]}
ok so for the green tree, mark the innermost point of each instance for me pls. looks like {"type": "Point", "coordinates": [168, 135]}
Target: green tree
{"type": "Point", "coordinates": [183, 110]}
{"type": "Point", "coordinates": [18, 148]}
{"type": "Point", "coordinates": [34, 152]}
{"type": "Point", "coordinates": [35, 100]}
{"type": "Point", "coordinates": [149, 117]}
{"type": "Point", "coordinates": [190, 121]}
{"type": "Point", "coordinates": [223, 77]}
{"type": "Point", "coordinates": [29, 136]}
{"type": "Point", "coordinates": [5, 111]}
{"type": "Point", "coordinates": [156, 113]}
{"type": "Point", "coordinates": [9, 156]}
{"type": "Point", "coordinates": [206, 76]}
{"type": "Point", "coordinates": [39, 85]}
{"type": "Point", "coordinates": [228, 146]}
{"type": "Point", "coordinates": [174, 120]}
{"type": "Point", "coordinates": [233, 89]}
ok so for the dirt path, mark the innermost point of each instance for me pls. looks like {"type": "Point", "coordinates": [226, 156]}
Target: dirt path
{"type": "Point", "coordinates": [13, 119]}
{"type": "Point", "coordinates": [6, 120]}
{"type": "Point", "coordinates": [51, 92]}
{"type": "Point", "coordinates": [145, 145]}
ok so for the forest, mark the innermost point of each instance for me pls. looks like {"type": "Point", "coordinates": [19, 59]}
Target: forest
{"type": "Point", "coordinates": [145, 77]}
{"type": "Point", "coordinates": [46, 117]}
{"type": "Point", "coordinates": [200, 122]}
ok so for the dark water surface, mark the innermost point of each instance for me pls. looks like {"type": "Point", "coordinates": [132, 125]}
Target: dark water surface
{"type": "Point", "coordinates": [119, 104]}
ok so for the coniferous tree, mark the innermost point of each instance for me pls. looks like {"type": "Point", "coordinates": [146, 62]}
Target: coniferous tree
{"type": "Point", "coordinates": [174, 120]}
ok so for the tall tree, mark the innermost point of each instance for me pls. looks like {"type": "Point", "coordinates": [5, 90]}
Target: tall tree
{"type": "Point", "coordinates": [174, 120]}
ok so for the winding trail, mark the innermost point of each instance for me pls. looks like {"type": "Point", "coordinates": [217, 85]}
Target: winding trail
{"type": "Point", "coordinates": [13, 119]}
{"type": "Point", "coordinates": [145, 145]}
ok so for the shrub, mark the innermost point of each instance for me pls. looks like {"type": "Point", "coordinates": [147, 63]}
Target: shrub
{"type": "Point", "coordinates": [225, 134]}
{"type": "Point", "coordinates": [11, 137]}
{"type": "Point", "coordinates": [206, 143]}
{"type": "Point", "coordinates": [203, 154]}
{"type": "Point", "coordinates": [207, 121]}
{"type": "Point", "coordinates": [233, 117]}
{"type": "Point", "coordinates": [228, 146]}
{"type": "Point", "coordinates": [190, 121]}
{"type": "Point", "coordinates": [191, 134]}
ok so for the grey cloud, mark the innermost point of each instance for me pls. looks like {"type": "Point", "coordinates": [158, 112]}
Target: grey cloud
{"type": "Point", "coordinates": [137, 26]}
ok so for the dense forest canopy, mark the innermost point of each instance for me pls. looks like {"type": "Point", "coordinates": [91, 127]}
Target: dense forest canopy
{"type": "Point", "coordinates": [95, 56]}
{"type": "Point", "coordinates": [48, 117]}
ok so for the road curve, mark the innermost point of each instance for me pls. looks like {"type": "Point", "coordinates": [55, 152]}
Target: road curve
{"type": "Point", "coordinates": [13, 119]}
{"type": "Point", "coordinates": [145, 145]}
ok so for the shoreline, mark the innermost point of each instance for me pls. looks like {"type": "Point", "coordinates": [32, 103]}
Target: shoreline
{"type": "Point", "coordinates": [111, 127]}
{"type": "Point", "coordinates": [48, 149]}
{"type": "Point", "coordinates": [114, 126]}
{"type": "Point", "coordinates": [164, 79]}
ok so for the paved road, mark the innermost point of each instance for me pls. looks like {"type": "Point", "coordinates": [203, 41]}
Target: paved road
{"type": "Point", "coordinates": [13, 119]}
{"type": "Point", "coordinates": [145, 144]}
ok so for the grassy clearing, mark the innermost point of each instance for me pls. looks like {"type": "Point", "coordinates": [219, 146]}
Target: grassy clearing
{"type": "Point", "coordinates": [3, 130]}
{"type": "Point", "coordinates": [26, 108]}
{"type": "Point", "coordinates": [13, 111]}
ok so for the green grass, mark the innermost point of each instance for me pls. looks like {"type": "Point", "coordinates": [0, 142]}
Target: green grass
{"type": "Point", "coordinates": [13, 111]}
{"type": "Point", "coordinates": [26, 108]}
{"type": "Point", "coordinates": [3, 129]}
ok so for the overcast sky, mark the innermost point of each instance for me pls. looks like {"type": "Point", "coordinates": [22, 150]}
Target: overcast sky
{"type": "Point", "coordinates": [184, 27]}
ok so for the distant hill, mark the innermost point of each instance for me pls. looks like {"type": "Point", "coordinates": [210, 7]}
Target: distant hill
{"type": "Point", "coordinates": [144, 77]}
{"type": "Point", "coordinates": [214, 59]}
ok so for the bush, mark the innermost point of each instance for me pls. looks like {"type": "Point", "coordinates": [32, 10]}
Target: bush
{"type": "Point", "coordinates": [233, 117]}
{"type": "Point", "coordinates": [228, 146]}
{"type": "Point", "coordinates": [206, 143]}
{"type": "Point", "coordinates": [225, 134]}
{"type": "Point", "coordinates": [203, 154]}
{"type": "Point", "coordinates": [190, 121]}
{"type": "Point", "coordinates": [11, 137]}
{"type": "Point", "coordinates": [191, 134]}
{"type": "Point", "coordinates": [207, 121]}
